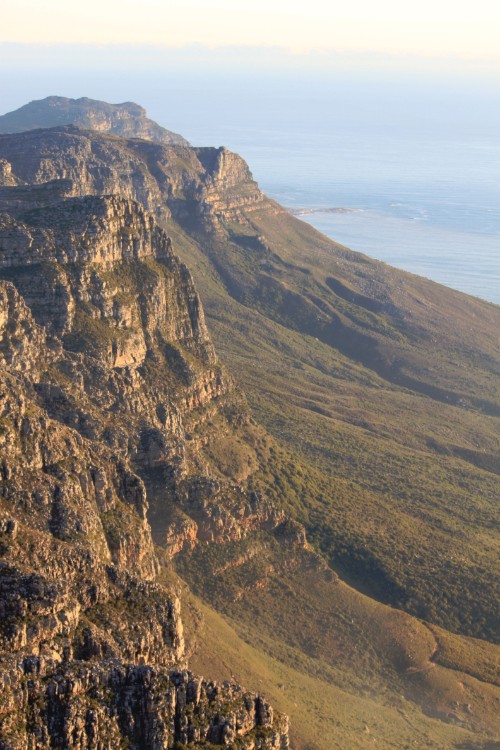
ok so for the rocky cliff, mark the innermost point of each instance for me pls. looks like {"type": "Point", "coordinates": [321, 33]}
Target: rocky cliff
{"type": "Point", "coordinates": [127, 119]}
{"type": "Point", "coordinates": [109, 385]}
{"type": "Point", "coordinates": [202, 186]}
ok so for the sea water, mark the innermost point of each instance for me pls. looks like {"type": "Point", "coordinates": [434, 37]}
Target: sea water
{"type": "Point", "coordinates": [415, 168]}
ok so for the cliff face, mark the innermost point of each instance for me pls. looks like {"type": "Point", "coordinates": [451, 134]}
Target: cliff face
{"type": "Point", "coordinates": [228, 190]}
{"type": "Point", "coordinates": [105, 365]}
{"type": "Point", "coordinates": [127, 119]}
{"type": "Point", "coordinates": [267, 259]}
{"type": "Point", "coordinates": [136, 367]}
{"type": "Point", "coordinates": [201, 186]}
{"type": "Point", "coordinates": [109, 705]}
{"type": "Point", "coordinates": [87, 244]}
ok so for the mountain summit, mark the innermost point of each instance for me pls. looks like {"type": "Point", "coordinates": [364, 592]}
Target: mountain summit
{"type": "Point", "coordinates": [127, 119]}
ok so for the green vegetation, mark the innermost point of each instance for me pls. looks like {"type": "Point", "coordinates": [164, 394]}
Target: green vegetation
{"type": "Point", "coordinates": [375, 396]}
{"type": "Point", "coordinates": [384, 445]}
{"type": "Point", "coordinates": [331, 706]}
{"type": "Point", "coordinates": [396, 486]}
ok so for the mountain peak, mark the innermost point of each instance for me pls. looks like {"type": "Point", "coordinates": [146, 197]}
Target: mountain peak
{"type": "Point", "coordinates": [126, 119]}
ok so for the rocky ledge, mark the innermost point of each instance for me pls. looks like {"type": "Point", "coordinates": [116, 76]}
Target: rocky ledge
{"type": "Point", "coordinates": [200, 186]}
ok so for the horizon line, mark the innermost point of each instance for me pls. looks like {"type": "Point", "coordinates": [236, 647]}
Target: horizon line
{"type": "Point", "coordinates": [314, 53]}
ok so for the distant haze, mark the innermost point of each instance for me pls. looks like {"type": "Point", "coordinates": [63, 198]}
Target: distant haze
{"type": "Point", "coordinates": [197, 75]}
{"type": "Point", "coordinates": [429, 27]}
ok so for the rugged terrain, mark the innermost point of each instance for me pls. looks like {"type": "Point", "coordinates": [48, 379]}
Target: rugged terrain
{"type": "Point", "coordinates": [379, 392]}
{"type": "Point", "coordinates": [108, 379]}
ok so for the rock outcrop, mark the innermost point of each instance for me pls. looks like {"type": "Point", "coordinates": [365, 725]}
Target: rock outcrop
{"type": "Point", "coordinates": [129, 358]}
{"type": "Point", "coordinates": [127, 119]}
{"type": "Point", "coordinates": [113, 706]}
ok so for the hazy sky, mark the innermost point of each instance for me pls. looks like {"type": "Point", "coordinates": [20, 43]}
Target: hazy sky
{"type": "Point", "coordinates": [441, 28]}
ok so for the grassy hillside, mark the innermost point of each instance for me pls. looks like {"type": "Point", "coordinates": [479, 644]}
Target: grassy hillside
{"type": "Point", "coordinates": [389, 445]}
{"type": "Point", "coordinates": [331, 703]}
{"type": "Point", "coordinates": [376, 402]}
{"type": "Point", "coordinates": [396, 486]}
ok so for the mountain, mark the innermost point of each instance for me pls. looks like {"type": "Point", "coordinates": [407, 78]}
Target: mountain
{"type": "Point", "coordinates": [106, 366]}
{"type": "Point", "coordinates": [366, 487]}
{"type": "Point", "coordinates": [127, 119]}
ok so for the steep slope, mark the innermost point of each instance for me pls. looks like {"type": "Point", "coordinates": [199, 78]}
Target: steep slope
{"type": "Point", "coordinates": [336, 702]}
{"type": "Point", "coordinates": [100, 381]}
{"type": "Point", "coordinates": [384, 318]}
{"type": "Point", "coordinates": [390, 380]}
{"type": "Point", "coordinates": [127, 119]}
{"type": "Point", "coordinates": [377, 465]}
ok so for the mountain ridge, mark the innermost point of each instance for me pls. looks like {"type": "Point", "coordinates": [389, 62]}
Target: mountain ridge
{"type": "Point", "coordinates": [126, 119]}
{"type": "Point", "coordinates": [270, 285]}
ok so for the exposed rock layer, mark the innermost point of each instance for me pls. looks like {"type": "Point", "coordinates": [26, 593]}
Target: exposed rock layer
{"type": "Point", "coordinates": [199, 185]}
{"type": "Point", "coordinates": [109, 705]}
{"type": "Point", "coordinates": [106, 364]}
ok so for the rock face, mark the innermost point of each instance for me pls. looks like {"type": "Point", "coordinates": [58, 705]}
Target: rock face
{"type": "Point", "coordinates": [109, 386]}
{"type": "Point", "coordinates": [106, 234]}
{"type": "Point", "coordinates": [201, 186]}
{"type": "Point", "coordinates": [126, 119]}
{"type": "Point", "coordinates": [6, 176]}
{"type": "Point", "coordinates": [228, 187]}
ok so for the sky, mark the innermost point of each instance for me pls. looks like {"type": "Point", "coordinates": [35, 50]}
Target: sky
{"type": "Point", "coordinates": [427, 28]}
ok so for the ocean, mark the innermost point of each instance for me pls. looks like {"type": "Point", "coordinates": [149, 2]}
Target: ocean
{"type": "Point", "coordinates": [414, 168]}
